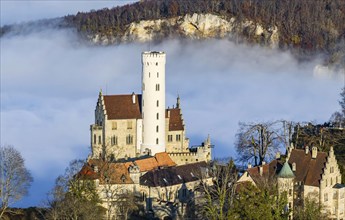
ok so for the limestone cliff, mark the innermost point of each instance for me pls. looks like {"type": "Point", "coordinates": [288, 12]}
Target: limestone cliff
{"type": "Point", "coordinates": [196, 26]}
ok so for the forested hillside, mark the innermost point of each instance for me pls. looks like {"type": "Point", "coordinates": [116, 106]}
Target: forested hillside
{"type": "Point", "coordinates": [306, 27]}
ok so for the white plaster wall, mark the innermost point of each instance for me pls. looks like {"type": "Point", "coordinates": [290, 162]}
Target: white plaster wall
{"type": "Point", "coordinates": [153, 73]}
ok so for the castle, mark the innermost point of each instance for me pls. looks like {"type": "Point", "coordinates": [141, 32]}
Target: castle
{"type": "Point", "coordinates": [134, 125]}
{"type": "Point", "coordinates": [304, 175]}
{"type": "Point", "coordinates": [140, 147]}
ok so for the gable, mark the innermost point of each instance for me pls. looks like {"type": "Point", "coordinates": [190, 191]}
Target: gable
{"type": "Point", "coordinates": [122, 106]}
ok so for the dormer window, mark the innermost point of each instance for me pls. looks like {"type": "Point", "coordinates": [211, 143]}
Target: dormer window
{"type": "Point", "coordinates": [123, 178]}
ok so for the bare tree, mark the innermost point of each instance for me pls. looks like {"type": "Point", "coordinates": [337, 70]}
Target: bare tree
{"type": "Point", "coordinates": [216, 197]}
{"type": "Point", "coordinates": [74, 198]}
{"type": "Point", "coordinates": [15, 179]}
{"type": "Point", "coordinates": [257, 141]}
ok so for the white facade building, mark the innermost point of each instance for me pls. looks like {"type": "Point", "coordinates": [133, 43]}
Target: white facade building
{"type": "Point", "coordinates": [153, 102]}
{"type": "Point", "coordinates": [132, 125]}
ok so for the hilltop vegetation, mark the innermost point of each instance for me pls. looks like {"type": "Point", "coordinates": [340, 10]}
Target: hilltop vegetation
{"type": "Point", "coordinates": [306, 26]}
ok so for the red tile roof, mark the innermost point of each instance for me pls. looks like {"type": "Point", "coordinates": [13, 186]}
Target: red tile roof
{"type": "Point", "coordinates": [112, 173]}
{"type": "Point", "coordinates": [268, 172]}
{"type": "Point", "coordinates": [175, 119]}
{"type": "Point", "coordinates": [159, 160]}
{"type": "Point", "coordinates": [122, 106]}
{"type": "Point", "coordinates": [308, 170]}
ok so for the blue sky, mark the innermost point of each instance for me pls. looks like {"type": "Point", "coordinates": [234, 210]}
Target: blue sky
{"type": "Point", "coordinates": [49, 88]}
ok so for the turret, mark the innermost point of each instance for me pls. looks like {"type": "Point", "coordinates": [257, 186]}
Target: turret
{"type": "Point", "coordinates": [153, 101]}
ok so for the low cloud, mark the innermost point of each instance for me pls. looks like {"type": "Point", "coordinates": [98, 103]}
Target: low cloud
{"type": "Point", "coordinates": [50, 83]}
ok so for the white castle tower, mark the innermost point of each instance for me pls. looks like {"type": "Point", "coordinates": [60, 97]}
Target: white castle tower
{"type": "Point", "coordinates": [153, 101]}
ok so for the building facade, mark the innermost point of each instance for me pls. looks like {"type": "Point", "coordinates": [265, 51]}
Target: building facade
{"type": "Point", "coordinates": [305, 174]}
{"type": "Point", "coordinates": [132, 125]}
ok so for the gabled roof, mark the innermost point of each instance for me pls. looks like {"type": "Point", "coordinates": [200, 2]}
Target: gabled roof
{"type": "Point", "coordinates": [308, 170]}
{"type": "Point", "coordinates": [111, 173]}
{"type": "Point", "coordinates": [173, 175]}
{"type": "Point", "coordinates": [175, 119]}
{"type": "Point", "coordinates": [159, 160]}
{"type": "Point", "coordinates": [122, 106]}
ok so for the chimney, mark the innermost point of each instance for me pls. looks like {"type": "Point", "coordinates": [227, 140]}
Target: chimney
{"type": "Point", "coordinates": [278, 155]}
{"type": "Point", "coordinates": [133, 98]}
{"type": "Point", "coordinates": [314, 152]}
{"type": "Point", "coordinates": [306, 150]}
{"type": "Point", "coordinates": [261, 170]}
{"type": "Point", "coordinates": [249, 166]}
{"type": "Point", "coordinates": [294, 166]}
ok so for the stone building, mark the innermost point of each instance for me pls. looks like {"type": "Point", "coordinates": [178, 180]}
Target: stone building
{"type": "Point", "coordinates": [128, 126]}
{"type": "Point", "coordinates": [164, 189]}
{"type": "Point", "coordinates": [305, 174]}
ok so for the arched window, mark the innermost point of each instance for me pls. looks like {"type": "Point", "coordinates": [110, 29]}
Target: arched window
{"type": "Point", "coordinates": [156, 63]}
{"type": "Point", "coordinates": [157, 116]}
{"type": "Point", "coordinates": [157, 103]}
{"type": "Point", "coordinates": [157, 129]}
{"type": "Point", "coordinates": [157, 74]}
{"type": "Point", "coordinates": [99, 140]}
{"type": "Point", "coordinates": [157, 141]}
{"type": "Point", "coordinates": [149, 74]}
{"type": "Point", "coordinates": [94, 139]}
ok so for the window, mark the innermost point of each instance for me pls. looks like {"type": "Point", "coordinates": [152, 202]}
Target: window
{"type": "Point", "coordinates": [157, 116]}
{"type": "Point", "coordinates": [157, 141]}
{"type": "Point", "coordinates": [178, 137]}
{"type": "Point", "coordinates": [129, 139]}
{"type": "Point", "coordinates": [325, 197]}
{"type": "Point", "coordinates": [290, 192]}
{"type": "Point", "coordinates": [157, 74]}
{"type": "Point", "coordinates": [149, 74]}
{"type": "Point", "coordinates": [94, 139]}
{"type": "Point", "coordinates": [157, 103]}
{"type": "Point", "coordinates": [114, 140]}
{"type": "Point", "coordinates": [157, 87]}
{"type": "Point", "coordinates": [184, 192]}
{"type": "Point", "coordinates": [157, 129]}
{"type": "Point", "coordinates": [156, 63]}
{"type": "Point", "coordinates": [170, 138]}
{"type": "Point", "coordinates": [332, 169]}
{"type": "Point", "coordinates": [114, 125]}
{"type": "Point", "coordinates": [99, 140]}
{"type": "Point", "coordinates": [129, 124]}
{"type": "Point", "coordinates": [335, 195]}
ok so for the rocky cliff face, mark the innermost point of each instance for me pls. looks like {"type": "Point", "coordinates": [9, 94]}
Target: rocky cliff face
{"type": "Point", "coordinates": [196, 26]}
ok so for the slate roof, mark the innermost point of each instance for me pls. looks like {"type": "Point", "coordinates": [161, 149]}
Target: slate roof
{"type": "Point", "coordinates": [172, 175]}
{"type": "Point", "coordinates": [308, 170]}
{"type": "Point", "coordinates": [286, 171]}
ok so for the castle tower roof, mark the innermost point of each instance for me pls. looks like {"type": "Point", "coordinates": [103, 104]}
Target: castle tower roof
{"type": "Point", "coordinates": [286, 171]}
